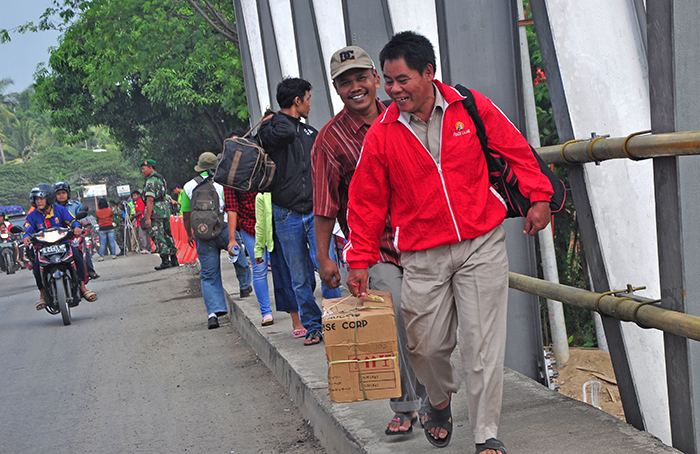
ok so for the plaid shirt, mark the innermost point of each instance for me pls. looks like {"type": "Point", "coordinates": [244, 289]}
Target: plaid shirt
{"type": "Point", "coordinates": [242, 203]}
{"type": "Point", "coordinates": [334, 158]}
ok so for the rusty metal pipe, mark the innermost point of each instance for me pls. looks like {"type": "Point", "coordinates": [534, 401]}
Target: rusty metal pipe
{"type": "Point", "coordinates": [634, 147]}
{"type": "Point", "coordinates": [621, 308]}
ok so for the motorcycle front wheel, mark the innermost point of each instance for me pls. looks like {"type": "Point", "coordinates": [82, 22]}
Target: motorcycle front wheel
{"type": "Point", "coordinates": [61, 294]}
{"type": "Point", "coordinates": [9, 266]}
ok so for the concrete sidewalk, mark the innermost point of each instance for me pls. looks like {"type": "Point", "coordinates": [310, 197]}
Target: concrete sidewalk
{"type": "Point", "coordinates": [535, 419]}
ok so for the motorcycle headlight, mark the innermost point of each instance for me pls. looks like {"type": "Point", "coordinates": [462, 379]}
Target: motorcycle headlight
{"type": "Point", "coordinates": [53, 236]}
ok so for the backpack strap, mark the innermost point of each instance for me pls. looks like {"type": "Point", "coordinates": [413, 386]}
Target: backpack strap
{"type": "Point", "coordinates": [201, 180]}
{"type": "Point", "coordinates": [470, 106]}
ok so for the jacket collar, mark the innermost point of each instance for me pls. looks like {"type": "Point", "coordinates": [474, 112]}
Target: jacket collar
{"type": "Point", "coordinates": [451, 95]}
{"type": "Point", "coordinates": [294, 120]}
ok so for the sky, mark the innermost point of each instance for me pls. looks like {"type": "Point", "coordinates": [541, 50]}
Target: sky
{"type": "Point", "coordinates": [20, 57]}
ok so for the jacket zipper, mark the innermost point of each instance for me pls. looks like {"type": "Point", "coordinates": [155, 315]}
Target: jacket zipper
{"type": "Point", "coordinates": [439, 169]}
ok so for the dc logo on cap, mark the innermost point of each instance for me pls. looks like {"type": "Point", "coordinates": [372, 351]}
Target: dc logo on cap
{"type": "Point", "coordinates": [347, 55]}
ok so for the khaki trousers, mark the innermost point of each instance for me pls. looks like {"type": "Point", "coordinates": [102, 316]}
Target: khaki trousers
{"type": "Point", "coordinates": [388, 277]}
{"type": "Point", "coordinates": [460, 288]}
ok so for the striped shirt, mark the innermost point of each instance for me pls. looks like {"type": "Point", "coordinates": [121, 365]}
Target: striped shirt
{"type": "Point", "coordinates": [333, 159]}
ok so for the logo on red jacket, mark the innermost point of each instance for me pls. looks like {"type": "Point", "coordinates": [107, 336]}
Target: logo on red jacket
{"type": "Point", "coordinates": [459, 129]}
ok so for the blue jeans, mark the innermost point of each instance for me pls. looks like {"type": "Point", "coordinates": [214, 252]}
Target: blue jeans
{"type": "Point", "coordinates": [107, 235]}
{"type": "Point", "coordinates": [296, 233]}
{"type": "Point", "coordinates": [243, 273]}
{"type": "Point", "coordinates": [209, 253]}
{"type": "Point", "coordinates": [262, 291]}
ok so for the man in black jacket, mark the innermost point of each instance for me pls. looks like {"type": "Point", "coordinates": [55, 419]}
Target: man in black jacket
{"type": "Point", "coordinates": [288, 142]}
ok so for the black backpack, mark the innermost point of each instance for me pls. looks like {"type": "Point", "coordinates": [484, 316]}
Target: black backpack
{"type": "Point", "coordinates": [501, 176]}
{"type": "Point", "coordinates": [206, 219]}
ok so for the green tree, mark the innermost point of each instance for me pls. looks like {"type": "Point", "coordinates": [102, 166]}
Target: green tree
{"type": "Point", "coordinates": [24, 130]}
{"type": "Point", "coordinates": [165, 82]}
{"type": "Point", "coordinates": [75, 165]}
{"type": "Point", "coordinates": [6, 116]}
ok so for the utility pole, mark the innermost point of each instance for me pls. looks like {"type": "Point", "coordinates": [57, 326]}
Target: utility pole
{"type": "Point", "coordinates": [2, 153]}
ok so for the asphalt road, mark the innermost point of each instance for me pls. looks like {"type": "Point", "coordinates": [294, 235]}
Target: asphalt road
{"type": "Point", "coordinates": [136, 372]}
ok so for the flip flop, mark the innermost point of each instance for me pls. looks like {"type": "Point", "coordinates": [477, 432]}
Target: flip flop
{"type": "Point", "coordinates": [314, 338]}
{"type": "Point", "coordinates": [439, 418]}
{"type": "Point", "coordinates": [267, 320]}
{"type": "Point", "coordinates": [41, 304]}
{"type": "Point", "coordinates": [90, 296]}
{"type": "Point", "coordinates": [492, 443]}
{"type": "Point", "coordinates": [300, 332]}
{"type": "Point", "coordinates": [402, 418]}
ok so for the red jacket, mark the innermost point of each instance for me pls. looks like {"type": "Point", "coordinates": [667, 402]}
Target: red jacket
{"type": "Point", "coordinates": [434, 205]}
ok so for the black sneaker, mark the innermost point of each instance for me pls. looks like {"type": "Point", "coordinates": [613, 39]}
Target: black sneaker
{"type": "Point", "coordinates": [245, 292]}
{"type": "Point", "coordinates": [213, 322]}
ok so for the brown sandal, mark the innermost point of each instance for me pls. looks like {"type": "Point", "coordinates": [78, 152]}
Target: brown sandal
{"type": "Point", "coordinates": [90, 296]}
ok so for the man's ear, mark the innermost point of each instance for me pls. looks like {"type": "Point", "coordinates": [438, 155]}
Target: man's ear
{"type": "Point", "coordinates": [429, 71]}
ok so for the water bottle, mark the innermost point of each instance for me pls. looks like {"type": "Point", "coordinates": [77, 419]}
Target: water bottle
{"type": "Point", "coordinates": [236, 253]}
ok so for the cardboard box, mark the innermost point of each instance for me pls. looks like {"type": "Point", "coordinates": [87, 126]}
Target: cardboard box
{"type": "Point", "coordinates": [361, 348]}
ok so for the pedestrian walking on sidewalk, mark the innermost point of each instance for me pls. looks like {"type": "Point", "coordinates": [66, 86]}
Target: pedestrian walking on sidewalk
{"type": "Point", "coordinates": [269, 250]}
{"type": "Point", "coordinates": [288, 141]}
{"type": "Point", "coordinates": [334, 158]}
{"type": "Point", "coordinates": [423, 162]}
{"type": "Point", "coordinates": [240, 208]}
{"type": "Point", "coordinates": [209, 251]}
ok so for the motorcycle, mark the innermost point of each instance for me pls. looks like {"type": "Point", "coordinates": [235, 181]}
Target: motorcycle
{"type": "Point", "coordinates": [58, 270]}
{"type": "Point", "coordinates": [7, 250]}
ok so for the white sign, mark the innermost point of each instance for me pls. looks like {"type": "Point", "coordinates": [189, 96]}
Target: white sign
{"type": "Point", "coordinates": [95, 190]}
{"type": "Point", "coordinates": [123, 190]}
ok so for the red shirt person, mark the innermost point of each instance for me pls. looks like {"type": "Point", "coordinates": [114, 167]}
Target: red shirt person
{"type": "Point", "coordinates": [422, 161]}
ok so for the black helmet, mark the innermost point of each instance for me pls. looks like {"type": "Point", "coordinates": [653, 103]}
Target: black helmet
{"type": "Point", "coordinates": [62, 186]}
{"type": "Point", "coordinates": [2, 214]}
{"type": "Point", "coordinates": [43, 190]}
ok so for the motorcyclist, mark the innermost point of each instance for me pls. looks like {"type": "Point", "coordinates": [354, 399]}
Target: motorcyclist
{"type": "Point", "coordinates": [5, 229]}
{"type": "Point", "coordinates": [4, 221]}
{"type": "Point", "coordinates": [62, 190]}
{"type": "Point", "coordinates": [50, 214]}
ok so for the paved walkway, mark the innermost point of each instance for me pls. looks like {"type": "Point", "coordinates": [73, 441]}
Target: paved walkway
{"type": "Point", "coordinates": [535, 419]}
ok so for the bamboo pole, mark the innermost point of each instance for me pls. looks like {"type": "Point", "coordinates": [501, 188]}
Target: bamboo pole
{"type": "Point", "coordinates": [622, 308]}
{"type": "Point", "coordinates": [635, 146]}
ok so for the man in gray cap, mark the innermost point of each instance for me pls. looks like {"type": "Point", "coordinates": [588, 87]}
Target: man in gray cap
{"type": "Point", "coordinates": [334, 158]}
{"type": "Point", "coordinates": [209, 250]}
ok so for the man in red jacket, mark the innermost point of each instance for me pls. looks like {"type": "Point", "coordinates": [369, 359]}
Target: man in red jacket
{"type": "Point", "coordinates": [422, 161]}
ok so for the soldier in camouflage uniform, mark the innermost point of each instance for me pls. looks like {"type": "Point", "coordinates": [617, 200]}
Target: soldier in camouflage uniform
{"type": "Point", "coordinates": [157, 217]}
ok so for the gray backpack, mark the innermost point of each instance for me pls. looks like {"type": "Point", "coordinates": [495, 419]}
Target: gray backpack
{"type": "Point", "coordinates": [206, 218]}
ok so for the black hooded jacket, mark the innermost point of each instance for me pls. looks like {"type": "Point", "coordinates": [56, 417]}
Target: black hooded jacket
{"type": "Point", "coordinates": [288, 141]}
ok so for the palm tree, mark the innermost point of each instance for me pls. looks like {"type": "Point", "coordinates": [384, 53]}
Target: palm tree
{"type": "Point", "coordinates": [6, 115]}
